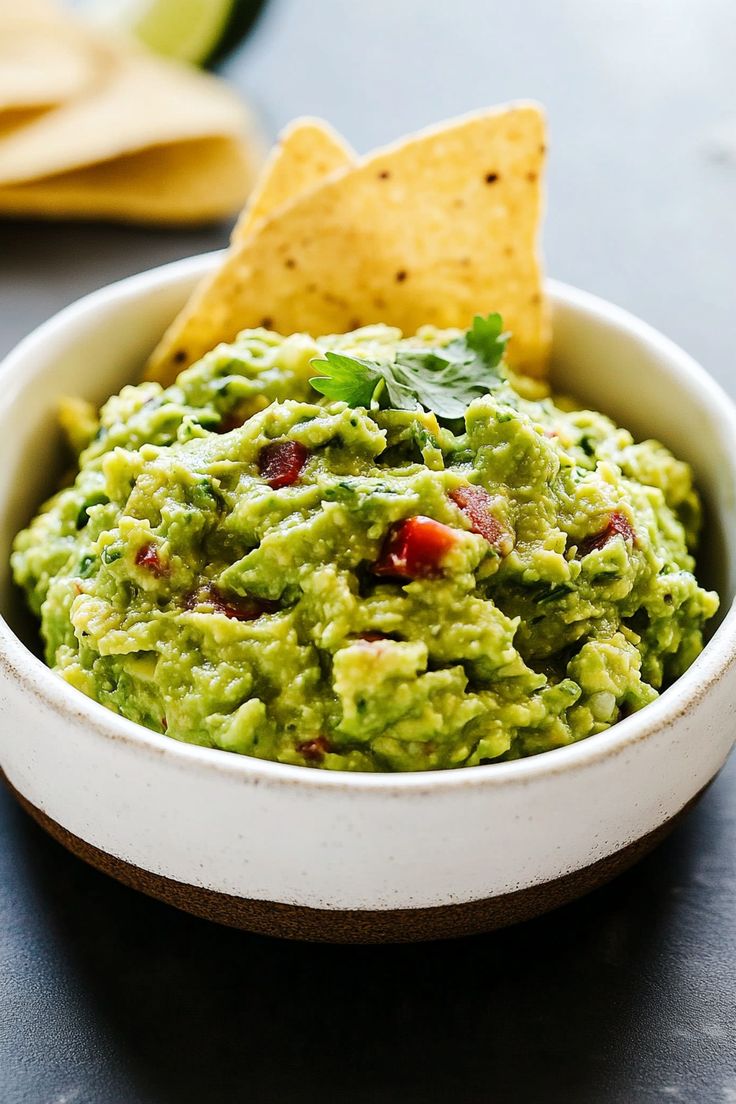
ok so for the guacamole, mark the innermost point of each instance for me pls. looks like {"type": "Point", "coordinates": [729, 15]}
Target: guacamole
{"type": "Point", "coordinates": [243, 563]}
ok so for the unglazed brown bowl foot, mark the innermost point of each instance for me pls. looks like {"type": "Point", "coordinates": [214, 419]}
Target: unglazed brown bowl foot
{"type": "Point", "coordinates": [361, 925]}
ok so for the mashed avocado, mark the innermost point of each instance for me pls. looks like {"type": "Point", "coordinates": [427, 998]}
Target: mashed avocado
{"type": "Point", "coordinates": [244, 564]}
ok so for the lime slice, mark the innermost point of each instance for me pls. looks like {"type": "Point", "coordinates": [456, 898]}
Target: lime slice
{"type": "Point", "coordinates": [189, 30]}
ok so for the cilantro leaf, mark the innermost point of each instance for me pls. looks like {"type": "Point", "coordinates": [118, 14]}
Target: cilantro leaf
{"type": "Point", "coordinates": [485, 337]}
{"type": "Point", "coordinates": [347, 379]}
{"type": "Point", "coordinates": [444, 380]}
{"type": "Point", "coordinates": [445, 385]}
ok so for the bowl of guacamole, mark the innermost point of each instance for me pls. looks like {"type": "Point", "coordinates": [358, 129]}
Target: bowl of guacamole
{"type": "Point", "coordinates": [366, 552]}
{"type": "Point", "coordinates": [359, 583]}
{"type": "Point", "coordinates": [328, 667]}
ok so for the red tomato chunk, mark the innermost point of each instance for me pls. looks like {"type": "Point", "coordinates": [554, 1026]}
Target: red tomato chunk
{"type": "Point", "coordinates": [618, 526]}
{"type": "Point", "coordinates": [282, 463]}
{"type": "Point", "coordinates": [239, 609]}
{"type": "Point", "coordinates": [415, 548]}
{"type": "Point", "coordinates": [473, 501]}
{"type": "Point", "coordinates": [315, 749]}
{"type": "Point", "coordinates": [148, 557]}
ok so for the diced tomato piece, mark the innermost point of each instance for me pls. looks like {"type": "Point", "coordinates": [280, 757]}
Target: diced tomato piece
{"type": "Point", "coordinates": [315, 749]}
{"type": "Point", "coordinates": [239, 609]}
{"type": "Point", "coordinates": [282, 462]}
{"type": "Point", "coordinates": [148, 557]}
{"type": "Point", "coordinates": [473, 501]}
{"type": "Point", "coordinates": [618, 526]}
{"type": "Point", "coordinates": [415, 548]}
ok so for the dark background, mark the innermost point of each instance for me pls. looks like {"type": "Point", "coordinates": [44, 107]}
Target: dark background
{"type": "Point", "coordinates": [628, 996]}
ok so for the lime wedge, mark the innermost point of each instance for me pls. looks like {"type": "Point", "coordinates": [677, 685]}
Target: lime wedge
{"type": "Point", "coordinates": [189, 30]}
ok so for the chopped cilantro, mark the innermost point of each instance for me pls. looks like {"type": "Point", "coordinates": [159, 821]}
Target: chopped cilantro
{"type": "Point", "coordinates": [444, 380]}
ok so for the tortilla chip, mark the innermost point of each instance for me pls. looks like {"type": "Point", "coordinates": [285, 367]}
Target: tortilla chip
{"type": "Point", "coordinates": [13, 118]}
{"type": "Point", "coordinates": [144, 101]}
{"type": "Point", "coordinates": [432, 230]}
{"type": "Point", "coordinates": [183, 183]}
{"type": "Point", "coordinates": [307, 151]}
{"type": "Point", "coordinates": [46, 11]}
{"type": "Point", "coordinates": [44, 63]}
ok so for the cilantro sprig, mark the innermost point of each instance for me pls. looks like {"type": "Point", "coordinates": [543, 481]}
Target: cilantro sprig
{"type": "Point", "coordinates": [443, 380]}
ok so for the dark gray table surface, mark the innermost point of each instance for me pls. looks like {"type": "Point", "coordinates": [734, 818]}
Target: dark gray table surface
{"type": "Point", "coordinates": [628, 996]}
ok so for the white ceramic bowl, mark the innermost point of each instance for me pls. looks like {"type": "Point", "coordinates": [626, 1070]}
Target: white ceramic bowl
{"type": "Point", "coordinates": [313, 854]}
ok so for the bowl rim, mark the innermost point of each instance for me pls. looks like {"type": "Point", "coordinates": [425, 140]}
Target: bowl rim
{"type": "Point", "coordinates": [19, 665]}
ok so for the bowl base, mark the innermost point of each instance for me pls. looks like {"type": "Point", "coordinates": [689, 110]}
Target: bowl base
{"type": "Point", "coordinates": [359, 925]}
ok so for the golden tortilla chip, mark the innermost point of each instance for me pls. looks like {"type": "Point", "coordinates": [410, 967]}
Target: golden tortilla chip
{"type": "Point", "coordinates": [143, 102]}
{"type": "Point", "coordinates": [46, 11]}
{"type": "Point", "coordinates": [432, 230]}
{"type": "Point", "coordinates": [44, 63]}
{"type": "Point", "coordinates": [307, 152]}
{"type": "Point", "coordinates": [186, 182]}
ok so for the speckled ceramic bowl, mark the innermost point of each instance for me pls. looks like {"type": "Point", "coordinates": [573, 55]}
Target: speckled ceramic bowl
{"type": "Point", "coordinates": [311, 854]}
